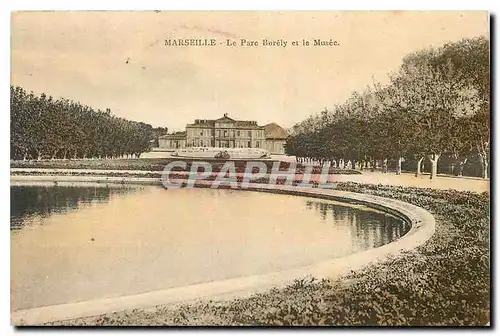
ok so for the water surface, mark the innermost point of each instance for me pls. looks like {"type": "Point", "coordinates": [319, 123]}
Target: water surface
{"type": "Point", "coordinates": [73, 244]}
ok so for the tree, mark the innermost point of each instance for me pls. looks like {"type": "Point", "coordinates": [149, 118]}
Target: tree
{"type": "Point", "coordinates": [471, 60]}
{"type": "Point", "coordinates": [44, 127]}
{"type": "Point", "coordinates": [436, 103]}
{"type": "Point", "coordinates": [434, 97]}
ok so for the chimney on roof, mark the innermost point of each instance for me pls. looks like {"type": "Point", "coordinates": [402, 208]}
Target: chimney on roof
{"type": "Point", "coordinates": [225, 115]}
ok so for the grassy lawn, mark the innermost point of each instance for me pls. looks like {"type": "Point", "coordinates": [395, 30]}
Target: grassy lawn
{"type": "Point", "coordinates": [444, 282]}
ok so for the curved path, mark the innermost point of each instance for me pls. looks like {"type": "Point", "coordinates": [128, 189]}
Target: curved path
{"type": "Point", "coordinates": [422, 228]}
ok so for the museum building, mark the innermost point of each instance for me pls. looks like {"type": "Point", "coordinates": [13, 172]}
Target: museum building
{"type": "Point", "coordinates": [229, 133]}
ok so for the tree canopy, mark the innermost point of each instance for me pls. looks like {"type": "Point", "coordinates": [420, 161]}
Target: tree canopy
{"type": "Point", "coordinates": [436, 103]}
{"type": "Point", "coordinates": [43, 127]}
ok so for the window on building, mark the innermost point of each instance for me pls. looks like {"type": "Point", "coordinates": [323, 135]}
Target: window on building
{"type": "Point", "coordinates": [249, 144]}
{"type": "Point", "coordinates": [218, 133]}
{"type": "Point", "coordinates": [201, 143]}
{"type": "Point", "coordinates": [257, 144]}
{"type": "Point", "coordinates": [213, 132]}
{"type": "Point", "coordinates": [238, 133]}
{"type": "Point", "coordinates": [225, 134]}
{"type": "Point", "coordinates": [201, 132]}
{"type": "Point", "coordinates": [249, 133]}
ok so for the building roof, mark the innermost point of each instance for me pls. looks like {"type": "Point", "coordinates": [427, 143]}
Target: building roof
{"type": "Point", "coordinates": [174, 136]}
{"type": "Point", "coordinates": [225, 118]}
{"type": "Point", "coordinates": [274, 131]}
{"type": "Point", "coordinates": [246, 124]}
{"type": "Point", "coordinates": [210, 123]}
{"type": "Point", "coordinates": [202, 123]}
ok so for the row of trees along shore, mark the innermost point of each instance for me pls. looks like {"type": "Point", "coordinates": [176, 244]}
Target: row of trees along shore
{"type": "Point", "coordinates": [436, 105]}
{"type": "Point", "coordinates": [42, 127]}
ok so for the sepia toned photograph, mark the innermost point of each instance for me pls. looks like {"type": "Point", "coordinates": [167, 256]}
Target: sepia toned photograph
{"type": "Point", "coordinates": [250, 168]}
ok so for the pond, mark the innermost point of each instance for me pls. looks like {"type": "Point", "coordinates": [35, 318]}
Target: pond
{"type": "Point", "coordinates": [77, 243]}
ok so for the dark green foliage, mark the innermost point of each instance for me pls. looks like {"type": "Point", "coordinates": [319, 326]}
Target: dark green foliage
{"type": "Point", "coordinates": [437, 103]}
{"type": "Point", "coordinates": [44, 128]}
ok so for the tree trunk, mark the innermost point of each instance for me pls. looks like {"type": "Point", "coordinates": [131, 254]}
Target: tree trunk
{"type": "Point", "coordinates": [434, 168]}
{"type": "Point", "coordinates": [398, 168]}
{"type": "Point", "coordinates": [484, 164]}
{"type": "Point", "coordinates": [385, 165]}
{"type": "Point", "coordinates": [419, 167]}
{"type": "Point", "coordinates": [461, 167]}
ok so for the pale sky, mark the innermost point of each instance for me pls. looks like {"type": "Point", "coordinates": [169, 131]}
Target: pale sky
{"type": "Point", "coordinates": [82, 56]}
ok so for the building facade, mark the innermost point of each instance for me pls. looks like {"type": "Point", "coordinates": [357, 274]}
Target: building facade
{"type": "Point", "coordinates": [226, 132]}
{"type": "Point", "coordinates": [275, 138]}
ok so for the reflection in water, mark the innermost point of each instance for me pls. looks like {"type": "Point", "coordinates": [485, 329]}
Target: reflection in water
{"type": "Point", "coordinates": [40, 201]}
{"type": "Point", "coordinates": [127, 241]}
{"type": "Point", "coordinates": [369, 227]}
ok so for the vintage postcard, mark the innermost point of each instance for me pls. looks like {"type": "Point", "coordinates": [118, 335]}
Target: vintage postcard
{"type": "Point", "coordinates": [250, 168]}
